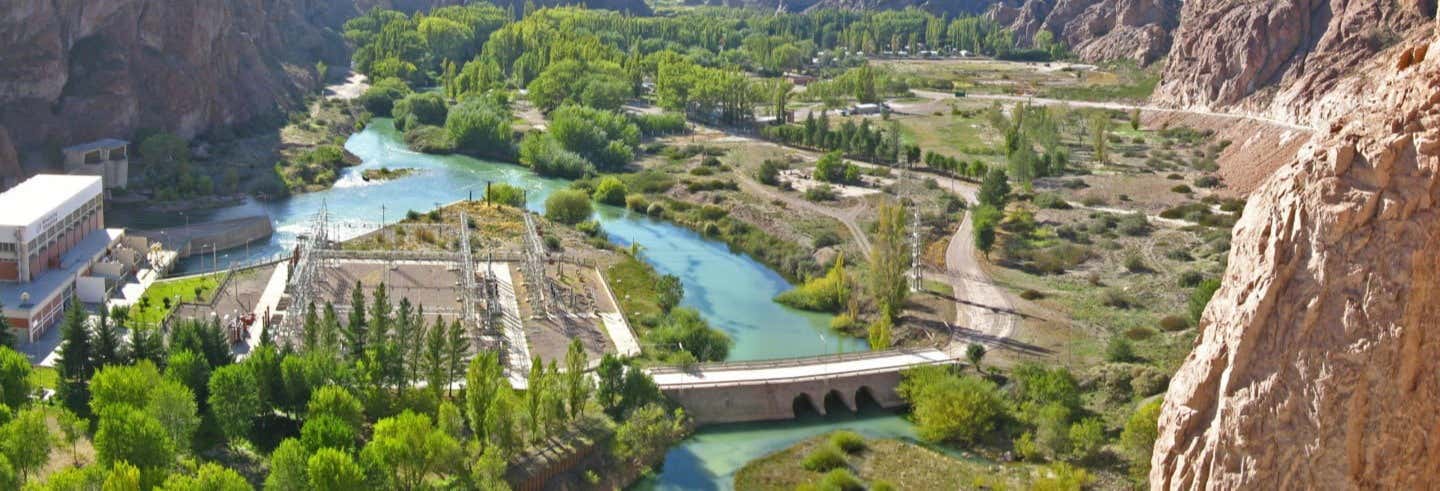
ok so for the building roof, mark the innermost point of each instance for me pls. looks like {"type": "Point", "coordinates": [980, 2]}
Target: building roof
{"type": "Point", "coordinates": [86, 252]}
{"type": "Point", "coordinates": [97, 145]}
{"type": "Point", "coordinates": [28, 201]}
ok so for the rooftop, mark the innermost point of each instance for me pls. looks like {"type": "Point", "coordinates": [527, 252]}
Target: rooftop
{"type": "Point", "coordinates": [97, 145]}
{"type": "Point", "coordinates": [27, 202]}
{"type": "Point", "coordinates": [83, 254]}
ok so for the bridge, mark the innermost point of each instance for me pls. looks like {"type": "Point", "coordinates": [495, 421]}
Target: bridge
{"type": "Point", "coordinates": [774, 389]}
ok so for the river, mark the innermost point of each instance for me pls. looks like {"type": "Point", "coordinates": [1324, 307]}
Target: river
{"type": "Point", "coordinates": [731, 291]}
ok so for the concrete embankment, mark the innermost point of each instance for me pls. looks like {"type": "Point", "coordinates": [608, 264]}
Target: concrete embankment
{"type": "Point", "coordinates": [203, 237]}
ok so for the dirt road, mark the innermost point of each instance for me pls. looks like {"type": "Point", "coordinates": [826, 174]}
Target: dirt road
{"type": "Point", "coordinates": [1041, 101]}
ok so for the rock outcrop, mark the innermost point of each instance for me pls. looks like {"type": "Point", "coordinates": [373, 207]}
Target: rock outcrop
{"type": "Point", "coordinates": [1316, 367]}
{"type": "Point", "coordinates": [75, 70]}
{"type": "Point", "coordinates": [1281, 58]}
{"type": "Point", "coordinates": [1097, 30]}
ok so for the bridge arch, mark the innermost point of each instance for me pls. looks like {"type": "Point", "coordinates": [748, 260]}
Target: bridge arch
{"type": "Point", "coordinates": [865, 397]}
{"type": "Point", "coordinates": [803, 403]}
{"type": "Point", "coordinates": [836, 398]}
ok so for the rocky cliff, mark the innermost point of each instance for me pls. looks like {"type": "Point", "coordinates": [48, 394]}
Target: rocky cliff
{"type": "Point", "coordinates": [75, 70]}
{"type": "Point", "coordinates": [1316, 365]}
{"type": "Point", "coordinates": [1097, 29]}
{"type": "Point", "coordinates": [1282, 58]}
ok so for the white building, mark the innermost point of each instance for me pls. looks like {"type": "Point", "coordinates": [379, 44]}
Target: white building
{"type": "Point", "coordinates": [54, 247]}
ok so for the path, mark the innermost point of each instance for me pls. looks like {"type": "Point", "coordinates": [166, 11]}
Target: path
{"type": "Point", "coordinates": [355, 84]}
{"type": "Point", "coordinates": [1042, 101]}
{"type": "Point", "coordinates": [848, 216]}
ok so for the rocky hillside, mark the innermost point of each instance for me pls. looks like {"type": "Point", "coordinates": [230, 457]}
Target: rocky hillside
{"type": "Point", "coordinates": [1315, 368]}
{"type": "Point", "coordinates": [1097, 29]}
{"type": "Point", "coordinates": [78, 70]}
{"type": "Point", "coordinates": [1281, 58]}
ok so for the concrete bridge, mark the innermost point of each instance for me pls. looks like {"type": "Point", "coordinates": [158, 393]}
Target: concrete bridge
{"type": "Point", "coordinates": [776, 389]}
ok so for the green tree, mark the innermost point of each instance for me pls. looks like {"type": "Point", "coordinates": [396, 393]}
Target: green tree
{"type": "Point", "coordinates": [123, 384]}
{"type": "Point", "coordinates": [234, 400]}
{"type": "Point", "coordinates": [577, 385]}
{"type": "Point", "coordinates": [7, 333]}
{"type": "Point", "coordinates": [190, 369]}
{"type": "Point", "coordinates": [380, 98]}
{"type": "Point", "coordinates": [333, 470]}
{"type": "Point", "coordinates": [610, 378]}
{"type": "Point", "coordinates": [611, 191]}
{"type": "Point", "coordinates": [1087, 436]}
{"type": "Point", "coordinates": [484, 379]}
{"type": "Point", "coordinates": [107, 344]}
{"type": "Point", "coordinates": [975, 352]}
{"type": "Point", "coordinates": [14, 377]}
{"type": "Point", "coordinates": [25, 441]}
{"type": "Point", "coordinates": [568, 206]}
{"type": "Point", "coordinates": [173, 405]}
{"type": "Point", "coordinates": [74, 363]}
{"type": "Point", "coordinates": [1137, 440]}
{"type": "Point", "coordinates": [289, 467]}
{"type": "Point", "coordinates": [1100, 136]}
{"type": "Point", "coordinates": [984, 219]}
{"type": "Point", "coordinates": [879, 333]}
{"type": "Point", "coordinates": [357, 330]}
{"type": "Point", "coordinates": [994, 189]}
{"type": "Point", "coordinates": [1200, 297]}
{"type": "Point", "coordinates": [456, 345]}
{"type": "Point", "coordinates": [647, 433]}
{"type": "Point", "coordinates": [125, 434]}
{"type": "Point", "coordinates": [210, 477]}
{"type": "Point", "coordinates": [947, 407]}
{"type": "Point", "coordinates": [327, 431]}
{"type": "Point", "coordinates": [336, 401]}
{"type": "Point", "coordinates": [889, 261]}
{"type": "Point", "coordinates": [408, 448]}
{"type": "Point", "coordinates": [481, 127]}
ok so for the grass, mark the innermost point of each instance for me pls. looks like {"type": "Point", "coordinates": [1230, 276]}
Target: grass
{"type": "Point", "coordinates": [45, 378]}
{"type": "Point", "coordinates": [903, 465]}
{"type": "Point", "coordinates": [633, 283]}
{"type": "Point", "coordinates": [151, 309]}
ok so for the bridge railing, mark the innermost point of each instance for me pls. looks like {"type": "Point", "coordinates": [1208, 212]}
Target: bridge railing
{"type": "Point", "coordinates": [828, 375]}
{"type": "Point", "coordinates": [791, 362]}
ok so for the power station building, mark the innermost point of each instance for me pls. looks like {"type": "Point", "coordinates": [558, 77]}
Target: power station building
{"type": "Point", "coordinates": [54, 247]}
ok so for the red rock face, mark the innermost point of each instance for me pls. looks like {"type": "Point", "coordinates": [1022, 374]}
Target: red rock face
{"type": "Point", "coordinates": [1316, 365]}
{"type": "Point", "coordinates": [77, 70]}
{"type": "Point", "coordinates": [1097, 30]}
{"type": "Point", "coordinates": [1280, 57]}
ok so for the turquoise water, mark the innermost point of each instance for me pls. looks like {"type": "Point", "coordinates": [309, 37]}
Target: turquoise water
{"type": "Point", "coordinates": [730, 290]}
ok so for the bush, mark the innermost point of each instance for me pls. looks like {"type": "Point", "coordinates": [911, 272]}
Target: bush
{"type": "Point", "coordinates": [1189, 279]}
{"type": "Point", "coordinates": [824, 458]}
{"type": "Point", "coordinates": [828, 293]}
{"type": "Point", "coordinates": [1135, 264]}
{"type": "Point", "coordinates": [611, 191]}
{"type": "Point", "coordinates": [848, 441]}
{"type": "Point", "coordinates": [1200, 297]}
{"type": "Point", "coordinates": [1116, 299]}
{"type": "Point", "coordinates": [1052, 201]}
{"type": "Point", "coordinates": [655, 210]}
{"type": "Point", "coordinates": [841, 480]}
{"type": "Point", "coordinates": [1207, 181]}
{"type": "Point", "coordinates": [1031, 295]}
{"type": "Point", "coordinates": [429, 139]}
{"type": "Point", "coordinates": [1182, 189]}
{"type": "Point", "coordinates": [1174, 323]}
{"type": "Point", "coordinates": [505, 194]}
{"type": "Point", "coordinates": [481, 127]}
{"type": "Point", "coordinates": [636, 202]}
{"type": "Point", "coordinates": [380, 98]}
{"type": "Point", "coordinates": [702, 171]}
{"type": "Point", "coordinates": [769, 172]}
{"type": "Point", "coordinates": [1119, 350]}
{"type": "Point", "coordinates": [822, 192]}
{"type": "Point", "coordinates": [842, 322]}
{"type": "Point", "coordinates": [568, 206]}
{"type": "Point", "coordinates": [1134, 224]}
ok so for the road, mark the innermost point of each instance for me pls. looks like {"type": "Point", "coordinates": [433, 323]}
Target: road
{"type": "Point", "coordinates": [1041, 101]}
{"type": "Point", "coordinates": [751, 373]}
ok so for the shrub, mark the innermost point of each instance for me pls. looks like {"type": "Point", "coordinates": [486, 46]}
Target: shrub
{"type": "Point", "coordinates": [1135, 264]}
{"type": "Point", "coordinates": [1189, 279]}
{"type": "Point", "coordinates": [822, 192]}
{"type": "Point", "coordinates": [824, 458]}
{"type": "Point", "coordinates": [1200, 297]}
{"type": "Point", "coordinates": [1134, 224]}
{"type": "Point", "coordinates": [611, 191]}
{"type": "Point", "coordinates": [769, 172]}
{"type": "Point", "coordinates": [590, 228]}
{"type": "Point", "coordinates": [848, 441]}
{"type": "Point", "coordinates": [636, 202]}
{"type": "Point", "coordinates": [655, 210]}
{"type": "Point", "coordinates": [842, 322]}
{"type": "Point", "coordinates": [1139, 333]}
{"type": "Point", "coordinates": [380, 98]}
{"type": "Point", "coordinates": [1207, 181]}
{"type": "Point", "coordinates": [840, 480]}
{"type": "Point", "coordinates": [1093, 200]}
{"type": "Point", "coordinates": [828, 293]}
{"type": "Point", "coordinates": [1174, 323]}
{"type": "Point", "coordinates": [1119, 350]}
{"type": "Point", "coordinates": [568, 206]}
{"type": "Point", "coordinates": [1031, 295]}
{"type": "Point", "coordinates": [505, 194]}
{"type": "Point", "coordinates": [429, 139]}
{"type": "Point", "coordinates": [1116, 299]}
{"type": "Point", "coordinates": [1182, 189]}
{"type": "Point", "coordinates": [1052, 201]}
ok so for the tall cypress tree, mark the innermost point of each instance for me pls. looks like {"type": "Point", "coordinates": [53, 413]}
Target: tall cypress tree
{"type": "Point", "coordinates": [7, 335]}
{"type": "Point", "coordinates": [455, 346]}
{"type": "Point", "coordinates": [74, 363]}
{"type": "Point", "coordinates": [106, 348]}
{"type": "Point", "coordinates": [355, 329]}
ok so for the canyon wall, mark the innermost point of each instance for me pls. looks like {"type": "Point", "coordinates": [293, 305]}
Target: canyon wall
{"type": "Point", "coordinates": [1304, 61]}
{"type": "Point", "coordinates": [76, 70]}
{"type": "Point", "coordinates": [1097, 30]}
{"type": "Point", "coordinates": [1316, 366]}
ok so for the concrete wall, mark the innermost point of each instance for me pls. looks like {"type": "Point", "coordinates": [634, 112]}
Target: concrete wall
{"type": "Point", "coordinates": [776, 401]}
{"type": "Point", "coordinates": [223, 235]}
